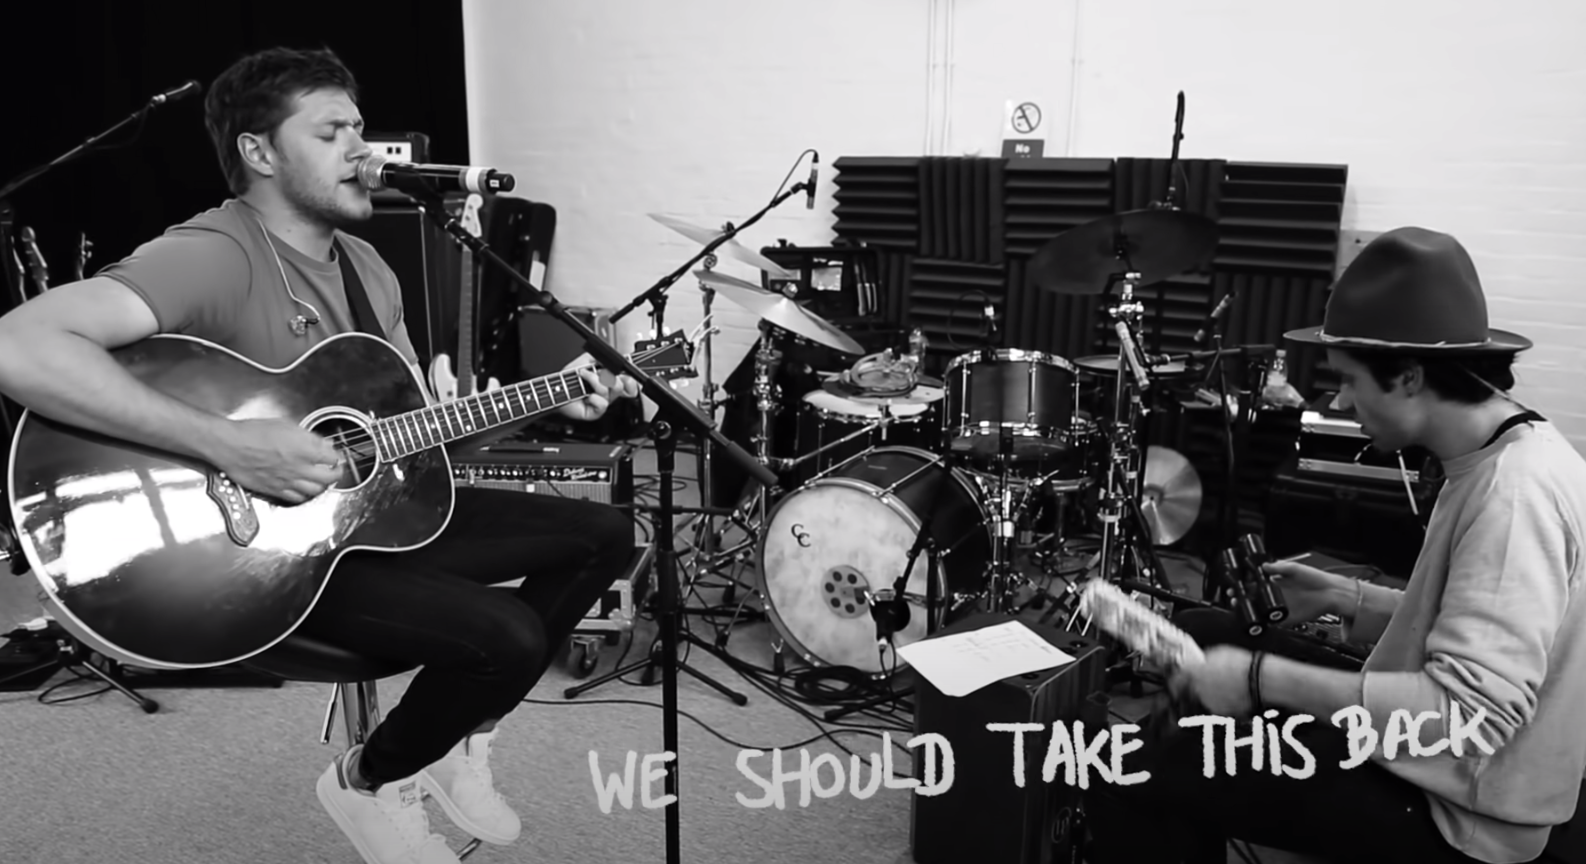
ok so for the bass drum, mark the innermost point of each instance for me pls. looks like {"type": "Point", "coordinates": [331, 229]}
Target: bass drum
{"type": "Point", "coordinates": [835, 542]}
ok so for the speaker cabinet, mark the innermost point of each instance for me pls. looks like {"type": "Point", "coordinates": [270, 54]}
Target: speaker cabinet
{"type": "Point", "coordinates": [985, 816]}
{"type": "Point", "coordinates": [428, 263]}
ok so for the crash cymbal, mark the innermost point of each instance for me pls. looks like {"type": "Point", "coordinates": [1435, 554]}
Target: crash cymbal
{"type": "Point", "coordinates": [921, 394]}
{"type": "Point", "coordinates": [1170, 495]}
{"type": "Point", "coordinates": [781, 311]}
{"type": "Point", "coordinates": [1107, 364]}
{"type": "Point", "coordinates": [1157, 244]}
{"type": "Point", "coordinates": [732, 248]}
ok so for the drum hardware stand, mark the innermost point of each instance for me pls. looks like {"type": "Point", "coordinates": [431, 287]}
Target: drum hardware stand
{"type": "Point", "coordinates": [670, 405]}
{"type": "Point", "coordinates": [999, 588]}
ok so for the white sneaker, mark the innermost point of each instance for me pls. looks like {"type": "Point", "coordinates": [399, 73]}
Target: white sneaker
{"type": "Point", "coordinates": [386, 827]}
{"type": "Point", "coordinates": [461, 783]}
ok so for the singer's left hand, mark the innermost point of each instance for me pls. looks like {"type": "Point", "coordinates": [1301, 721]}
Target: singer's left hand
{"type": "Point", "coordinates": [603, 390]}
{"type": "Point", "coordinates": [1221, 685]}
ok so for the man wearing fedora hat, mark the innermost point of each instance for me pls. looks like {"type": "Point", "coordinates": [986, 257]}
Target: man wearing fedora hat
{"type": "Point", "coordinates": [1492, 621]}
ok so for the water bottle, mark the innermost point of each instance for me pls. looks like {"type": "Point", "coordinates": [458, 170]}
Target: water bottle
{"type": "Point", "coordinates": [1278, 391]}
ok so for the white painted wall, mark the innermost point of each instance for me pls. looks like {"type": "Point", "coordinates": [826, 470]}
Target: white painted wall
{"type": "Point", "coordinates": [1463, 116]}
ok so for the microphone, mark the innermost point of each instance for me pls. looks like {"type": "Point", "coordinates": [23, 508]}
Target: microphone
{"type": "Point", "coordinates": [1216, 315]}
{"type": "Point", "coordinates": [181, 92]}
{"type": "Point", "coordinates": [1268, 596]}
{"type": "Point", "coordinates": [1131, 354]}
{"type": "Point", "coordinates": [809, 187]}
{"type": "Point", "coordinates": [1243, 608]}
{"type": "Point", "coordinates": [990, 312]}
{"type": "Point", "coordinates": [377, 172]}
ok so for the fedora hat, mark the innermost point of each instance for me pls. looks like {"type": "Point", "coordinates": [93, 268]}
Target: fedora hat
{"type": "Point", "coordinates": [1411, 290]}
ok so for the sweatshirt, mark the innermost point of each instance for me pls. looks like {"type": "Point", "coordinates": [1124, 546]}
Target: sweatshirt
{"type": "Point", "coordinates": [1492, 618]}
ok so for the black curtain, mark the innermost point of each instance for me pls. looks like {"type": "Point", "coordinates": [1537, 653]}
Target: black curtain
{"type": "Point", "coordinates": [72, 69]}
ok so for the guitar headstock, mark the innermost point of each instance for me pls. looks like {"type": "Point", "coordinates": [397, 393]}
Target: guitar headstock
{"type": "Point", "coordinates": [669, 357]}
{"type": "Point", "coordinates": [470, 215]}
{"type": "Point", "coordinates": [39, 270]}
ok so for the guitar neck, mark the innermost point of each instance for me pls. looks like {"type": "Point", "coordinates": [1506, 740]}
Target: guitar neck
{"type": "Point", "coordinates": [465, 328]}
{"type": "Point", "coordinates": [436, 425]}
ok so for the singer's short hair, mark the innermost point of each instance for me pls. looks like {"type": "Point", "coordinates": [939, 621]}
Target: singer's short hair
{"type": "Point", "coordinates": [256, 94]}
{"type": "Point", "coordinates": [1454, 379]}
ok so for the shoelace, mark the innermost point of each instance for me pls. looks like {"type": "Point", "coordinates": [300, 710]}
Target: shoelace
{"type": "Point", "coordinates": [478, 761]}
{"type": "Point", "coordinates": [411, 821]}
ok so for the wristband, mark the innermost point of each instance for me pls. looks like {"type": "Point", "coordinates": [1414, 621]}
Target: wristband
{"type": "Point", "coordinates": [1256, 705]}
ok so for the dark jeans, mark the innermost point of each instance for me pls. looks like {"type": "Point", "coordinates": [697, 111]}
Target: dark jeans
{"type": "Point", "coordinates": [1362, 814]}
{"type": "Point", "coordinates": [481, 649]}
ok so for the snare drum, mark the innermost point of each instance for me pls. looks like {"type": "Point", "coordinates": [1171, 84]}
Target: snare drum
{"type": "Point", "coordinates": [829, 418]}
{"type": "Point", "coordinates": [831, 545]}
{"type": "Point", "coordinates": [1029, 393]}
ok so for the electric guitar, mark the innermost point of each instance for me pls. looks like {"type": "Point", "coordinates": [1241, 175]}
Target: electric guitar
{"type": "Point", "coordinates": [160, 561]}
{"type": "Point", "coordinates": [443, 383]}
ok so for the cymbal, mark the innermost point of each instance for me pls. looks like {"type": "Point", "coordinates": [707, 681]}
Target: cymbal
{"type": "Point", "coordinates": [922, 394]}
{"type": "Point", "coordinates": [1157, 244]}
{"type": "Point", "coordinates": [1170, 495]}
{"type": "Point", "coordinates": [1107, 364]}
{"type": "Point", "coordinates": [732, 248]}
{"type": "Point", "coordinates": [780, 310]}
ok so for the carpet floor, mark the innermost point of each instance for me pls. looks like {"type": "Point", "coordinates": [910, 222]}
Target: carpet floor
{"type": "Point", "coordinates": [225, 775]}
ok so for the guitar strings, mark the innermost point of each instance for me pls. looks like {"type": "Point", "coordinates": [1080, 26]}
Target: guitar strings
{"type": "Point", "coordinates": [358, 438]}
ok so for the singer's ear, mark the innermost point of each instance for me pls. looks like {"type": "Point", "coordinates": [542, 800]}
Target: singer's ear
{"type": "Point", "coordinates": [257, 154]}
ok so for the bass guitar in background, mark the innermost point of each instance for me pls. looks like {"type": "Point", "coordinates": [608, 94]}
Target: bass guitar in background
{"type": "Point", "coordinates": [445, 383]}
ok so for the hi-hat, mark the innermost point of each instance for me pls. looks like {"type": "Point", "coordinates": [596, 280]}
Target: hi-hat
{"type": "Point", "coordinates": [1157, 244]}
{"type": "Point", "coordinates": [1170, 495]}
{"type": "Point", "coordinates": [732, 248]}
{"type": "Point", "coordinates": [780, 310]}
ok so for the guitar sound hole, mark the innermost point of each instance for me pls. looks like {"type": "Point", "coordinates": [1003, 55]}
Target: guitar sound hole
{"type": "Point", "coordinates": [357, 449]}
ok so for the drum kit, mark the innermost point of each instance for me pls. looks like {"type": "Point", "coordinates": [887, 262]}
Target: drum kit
{"type": "Point", "coordinates": [918, 499]}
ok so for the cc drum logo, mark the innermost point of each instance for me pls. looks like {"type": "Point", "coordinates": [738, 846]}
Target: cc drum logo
{"type": "Point", "coordinates": [799, 534]}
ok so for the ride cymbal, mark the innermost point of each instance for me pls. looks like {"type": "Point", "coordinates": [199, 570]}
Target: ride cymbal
{"type": "Point", "coordinates": [781, 311]}
{"type": "Point", "coordinates": [1157, 244]}
{"type": "Point", "coordinates": [1107, 364]}
{"type": "Point", "coordinates": [732, 248]}
{"type": "Point", "coordinates": [1170, 495]}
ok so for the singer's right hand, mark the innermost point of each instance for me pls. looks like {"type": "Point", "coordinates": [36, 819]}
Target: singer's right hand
{"type": "Point", "coordinates": [1311, 593]}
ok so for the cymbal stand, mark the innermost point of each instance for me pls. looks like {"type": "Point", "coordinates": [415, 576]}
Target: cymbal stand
{"type": "Point", "coordinates": [750, 514]}
{"type": "Point", "coordinates": [707, 532]}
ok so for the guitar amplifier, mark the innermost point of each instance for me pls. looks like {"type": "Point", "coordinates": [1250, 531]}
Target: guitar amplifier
{"type": "Point", "coordinates": [984, 815]}
{"type": "Point", "coordinates": [592, 472]}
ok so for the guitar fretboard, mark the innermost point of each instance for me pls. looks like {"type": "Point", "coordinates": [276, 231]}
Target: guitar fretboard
{"type": "Point", "coordinates": [405, 434]}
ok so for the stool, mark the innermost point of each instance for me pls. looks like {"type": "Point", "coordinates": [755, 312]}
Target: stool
{"type": "Point", "coordinates": [353, 678]}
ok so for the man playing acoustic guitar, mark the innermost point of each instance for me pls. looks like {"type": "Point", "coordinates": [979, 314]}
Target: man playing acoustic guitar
{"type": "Point", "coordinates": [263, 275]}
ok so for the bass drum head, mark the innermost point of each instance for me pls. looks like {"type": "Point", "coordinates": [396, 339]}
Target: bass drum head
{"type": "Point", "coordinates": [827, 548]}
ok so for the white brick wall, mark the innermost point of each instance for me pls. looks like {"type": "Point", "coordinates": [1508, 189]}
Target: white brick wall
{"type": "Point", "coordinates": [1462, 116]}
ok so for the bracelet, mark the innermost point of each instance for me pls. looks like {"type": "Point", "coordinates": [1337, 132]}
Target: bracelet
{"type": "Point", "coordinates": [1255, 682]}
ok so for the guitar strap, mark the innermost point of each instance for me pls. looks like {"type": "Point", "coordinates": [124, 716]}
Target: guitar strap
{"type": "Point", "coordinates": [363, 316]}
{"type": "Point", "coordinates": [1516, 420]}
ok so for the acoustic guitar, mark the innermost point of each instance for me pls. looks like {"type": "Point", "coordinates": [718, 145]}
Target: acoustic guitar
{"type": "Point", "coordinates": [160, 561]}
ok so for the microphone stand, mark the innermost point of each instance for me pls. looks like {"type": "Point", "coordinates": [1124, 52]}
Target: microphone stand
{"type": "Point", "coordinates": [16, 293]}
{"type": "Point", "coordinates": [673, 411]}
{"type": "Point", "coordinates": [890, 620]}
{"type": "Point", "coordinates": [655, 295]}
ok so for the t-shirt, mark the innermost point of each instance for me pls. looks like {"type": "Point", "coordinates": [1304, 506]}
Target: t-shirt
{"type": "Point", "coordinates": [215, 277]}
{"type": "Point", "coordinates": [1492, 618]}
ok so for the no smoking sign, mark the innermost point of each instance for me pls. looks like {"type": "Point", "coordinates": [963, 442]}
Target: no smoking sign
{"type": "Point", "coordinates": [1021, 124]}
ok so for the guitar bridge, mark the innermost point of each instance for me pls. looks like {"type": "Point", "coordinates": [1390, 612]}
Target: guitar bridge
{"type": "Point", "coordinates": [236, 506]}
